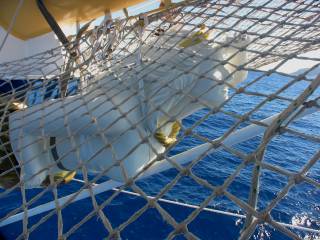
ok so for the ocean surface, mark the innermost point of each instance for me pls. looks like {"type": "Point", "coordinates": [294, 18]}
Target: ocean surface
{"type": "Point", "coordinates": [300, 207]}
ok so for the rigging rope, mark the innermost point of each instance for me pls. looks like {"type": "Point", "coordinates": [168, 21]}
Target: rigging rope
{"type": "Point", "coordinates": [11, 25]}
{"type": "Point", "coordinates": [197, 57]}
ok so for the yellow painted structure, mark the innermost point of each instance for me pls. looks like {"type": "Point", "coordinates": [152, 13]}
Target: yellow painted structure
{"type": "Point", "coordinates": [30, 22]}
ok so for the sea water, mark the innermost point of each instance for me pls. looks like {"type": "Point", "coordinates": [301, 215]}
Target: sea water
{"type": "Point", "coordinates": [300, 207]}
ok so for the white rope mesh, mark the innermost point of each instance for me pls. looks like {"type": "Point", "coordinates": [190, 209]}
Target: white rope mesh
{"type": "Point", "coordinates": [119, 114]}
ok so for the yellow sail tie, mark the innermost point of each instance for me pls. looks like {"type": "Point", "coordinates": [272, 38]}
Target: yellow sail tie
{"type": "Point", "coordinates": [61, 177]}
{"type": "Point", "coordinates": [167, 141]}
{"type": "Point", "coordinates": [195, 38]}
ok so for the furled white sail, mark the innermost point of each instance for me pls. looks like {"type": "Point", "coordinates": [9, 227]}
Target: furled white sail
{"type": "Point", "coordinates": [150, 96]}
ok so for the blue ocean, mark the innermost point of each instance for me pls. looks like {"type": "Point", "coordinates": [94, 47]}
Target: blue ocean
{"type": "Point", "coordinates": [300, 207]}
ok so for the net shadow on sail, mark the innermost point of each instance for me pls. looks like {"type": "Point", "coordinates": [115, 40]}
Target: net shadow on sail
{"type": "Point", "coordinates": [139, 91]}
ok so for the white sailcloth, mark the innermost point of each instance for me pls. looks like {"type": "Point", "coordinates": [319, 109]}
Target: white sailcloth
{"type": "Point", "coordinates": [110, 126]}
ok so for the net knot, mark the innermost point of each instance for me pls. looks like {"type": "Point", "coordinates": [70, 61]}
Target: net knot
{"type": "Point", "coordinates": [129, 182]}
{"type": "Point", "coordinates": [181, 228]}
{"type": "Point", "coordinates": [301, 77]}
{"type": "Point", "coordinates": [224, 62]}
{"type": "Point", "coordinates": [152, 202]}
{"type": "Point", "coordinates": [219, 191]}
{"type": "Point", "coordinates": [269, 72]}
{"type": "Point", "coordinates": [297, 178]}
{"type": "Point", "coordinates": [144, 140]}
{"type": "Point", "coordinates": [185, 172]}
{"type": "Point", "coordinates": [281, 130]}
{"type": "Point", "coordinates": [264, 217]}
{"type": "Point", "coordinates": [263, 35]}
{"type": "Point", "coordinates": [117, 164]}
{"type": "Point", "coordinates": [245, 117]}
{"type": "Point", "coordinates": [271, 97]}
{"type": "Point", "coordinates": [291, 55]}
{"type": "Point", "coordinates": [115, 235]}
{"type": "Point", "coordinates": [94, 120]}
{"type": "Point", "coordinates": [249, 159]}
{"type": "Point", "coordinates": [240, 90]}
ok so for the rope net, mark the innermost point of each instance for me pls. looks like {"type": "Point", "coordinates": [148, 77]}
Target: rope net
{"type": "Point", "coordinates": [184, 89]}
